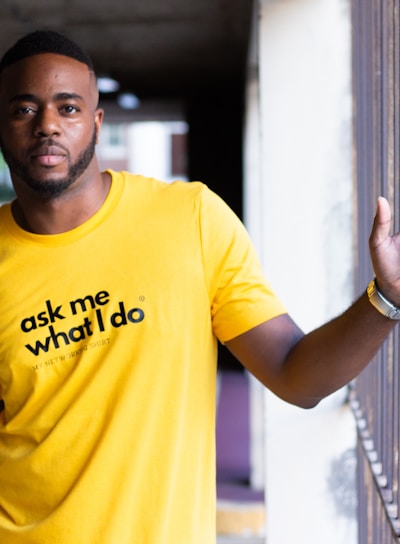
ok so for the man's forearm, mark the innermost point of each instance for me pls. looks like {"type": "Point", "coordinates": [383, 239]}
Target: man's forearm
{"type": "Point", "coordinates": [303, 369]}
{"type": "Point", "coordinates": [332, 355]}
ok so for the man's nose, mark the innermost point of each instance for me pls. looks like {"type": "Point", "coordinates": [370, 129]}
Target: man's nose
{"type": "Point", "coordinates": [47, 122]}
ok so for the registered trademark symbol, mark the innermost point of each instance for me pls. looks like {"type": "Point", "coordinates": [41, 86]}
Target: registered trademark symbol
{"type": "Point", "coordinates": [141, 298]}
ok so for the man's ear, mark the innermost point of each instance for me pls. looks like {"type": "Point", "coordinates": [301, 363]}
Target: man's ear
{"type": "Point", "coordinates": [98, 120]}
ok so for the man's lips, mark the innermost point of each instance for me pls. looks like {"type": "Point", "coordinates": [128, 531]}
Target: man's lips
{"type": "Point", "coordinates": [48, 155]}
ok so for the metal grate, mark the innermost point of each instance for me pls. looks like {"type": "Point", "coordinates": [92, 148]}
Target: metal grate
{"type": "Point", "coordinates": [375, 393]}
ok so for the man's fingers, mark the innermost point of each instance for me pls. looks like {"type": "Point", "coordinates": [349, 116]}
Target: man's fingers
{"type": "Point", "coordinates": [381, 226]}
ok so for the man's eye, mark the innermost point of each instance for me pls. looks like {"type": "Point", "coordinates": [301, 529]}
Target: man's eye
{"type": "Point", "coordinates": [21, 110]}
{"type": "Point", "coordinates": [70, 109]}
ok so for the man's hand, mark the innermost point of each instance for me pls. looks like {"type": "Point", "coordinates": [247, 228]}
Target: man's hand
{"type": "Point", "coordinates": [385, 253]}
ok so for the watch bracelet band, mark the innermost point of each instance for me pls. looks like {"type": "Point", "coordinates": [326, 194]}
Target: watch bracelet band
{"type": "Point", "coordinates": [381, 303]}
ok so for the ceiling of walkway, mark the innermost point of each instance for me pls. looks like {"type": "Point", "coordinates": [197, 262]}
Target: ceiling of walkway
{"type": "Point", "coordinates": [155, 48]}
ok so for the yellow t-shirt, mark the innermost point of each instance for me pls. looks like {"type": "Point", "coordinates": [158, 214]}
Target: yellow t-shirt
{"type": "Point", "coordinates": [108, 363]}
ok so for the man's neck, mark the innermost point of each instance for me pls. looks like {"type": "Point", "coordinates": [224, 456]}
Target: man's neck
{"type": "Point", "coordinates": [62, 213]}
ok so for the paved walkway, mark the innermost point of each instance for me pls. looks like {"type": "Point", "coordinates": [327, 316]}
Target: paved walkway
{"type": "Point", "coordinates": [240, 509]}
{"type": "Point", "coordinates": [238, 540]}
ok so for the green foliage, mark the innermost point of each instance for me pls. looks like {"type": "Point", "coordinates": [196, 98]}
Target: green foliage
{"type": "Point", "coordinates": [6, 190]}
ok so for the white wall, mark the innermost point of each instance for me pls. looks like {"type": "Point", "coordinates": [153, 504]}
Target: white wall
{"type": "Point", "coordinates": [144, 146]}
{"type": "Point", "coordinates": [298, 209]}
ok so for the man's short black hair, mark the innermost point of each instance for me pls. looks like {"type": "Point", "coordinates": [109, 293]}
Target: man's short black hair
{"type": "Point", "coordinates": [44, 41]}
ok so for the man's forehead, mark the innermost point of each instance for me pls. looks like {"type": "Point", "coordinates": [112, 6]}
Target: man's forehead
{"type": "Point", "coordinates": [54, 61]}
{"type": "Point", "coordinates": [42, 69]}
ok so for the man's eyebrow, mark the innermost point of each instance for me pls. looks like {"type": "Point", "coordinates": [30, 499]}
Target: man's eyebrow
{"type": "Point", "coordinates": [24, 97]}
{"type": "Point", "coordinates": [28, 97]}
{"type": "Point", "coordinates": [68, 96]}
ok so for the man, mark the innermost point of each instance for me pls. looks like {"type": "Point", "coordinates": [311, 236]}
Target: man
{"type": "Point", "coordinates": [113, 290]}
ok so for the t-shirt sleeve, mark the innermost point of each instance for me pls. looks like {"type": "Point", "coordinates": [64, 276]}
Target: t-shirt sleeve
{"type": "Point", "coordinates": [240, 295]}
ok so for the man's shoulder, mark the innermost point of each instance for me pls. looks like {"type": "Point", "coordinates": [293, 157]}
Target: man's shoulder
{"type": "Point", "coordinates": [152, 186]}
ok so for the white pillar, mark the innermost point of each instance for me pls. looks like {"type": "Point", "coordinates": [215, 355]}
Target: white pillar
{"type": "Point", "coordinates": [298, 208]}
{"type": "Point", "coordinates": [150, 149]}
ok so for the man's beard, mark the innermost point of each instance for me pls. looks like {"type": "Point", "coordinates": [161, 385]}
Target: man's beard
{"type": "Point", "coordinates": [49, 190]}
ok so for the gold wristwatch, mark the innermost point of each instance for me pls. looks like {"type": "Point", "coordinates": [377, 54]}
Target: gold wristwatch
{"type": "Point", "coordinates": [380, 303]}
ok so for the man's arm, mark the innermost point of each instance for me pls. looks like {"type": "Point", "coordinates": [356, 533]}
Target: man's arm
{"type": "Point", "coordinates": [303, 369]}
